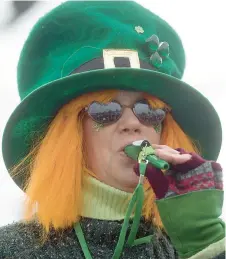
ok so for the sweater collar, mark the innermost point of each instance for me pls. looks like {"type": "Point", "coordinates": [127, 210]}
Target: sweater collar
{"type": "Point", "coordinates": [101, 201]}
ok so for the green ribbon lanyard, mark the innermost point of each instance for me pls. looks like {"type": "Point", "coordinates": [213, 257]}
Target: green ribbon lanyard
{"type": "Point", "coordinates": [136, 202]}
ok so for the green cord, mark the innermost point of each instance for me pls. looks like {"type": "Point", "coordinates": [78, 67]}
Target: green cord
{"type": "Point", "coordinates": [142, 240]}
{"type": "Point", "coordinates": [137, 216]}
{"type": "Point", "coordinates": [122, 236]}
{"type": "Point", "coordinates": [82, 240]}
{"type": "Point", "coordinates": [138, 199]}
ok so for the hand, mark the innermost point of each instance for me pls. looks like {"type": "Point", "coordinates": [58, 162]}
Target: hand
{"type": "Point", "coordinates": [171, 155]}
{"type": "Point", "coordinates": [187, 173]}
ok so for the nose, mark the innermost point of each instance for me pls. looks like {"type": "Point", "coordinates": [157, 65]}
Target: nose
{"type": "Point", "coordinates": [129, 123]}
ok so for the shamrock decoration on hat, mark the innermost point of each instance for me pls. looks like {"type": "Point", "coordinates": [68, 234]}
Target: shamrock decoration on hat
{"type": "Point", "coordinates": [159, 51]}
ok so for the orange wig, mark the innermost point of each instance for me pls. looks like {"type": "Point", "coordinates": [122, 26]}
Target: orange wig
{"type": "Point", "coordinates": [57, 164]}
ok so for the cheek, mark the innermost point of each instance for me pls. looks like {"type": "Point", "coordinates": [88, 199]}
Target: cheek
{"type": "Point", "coordinates": [153, 135]}
{"type": "Point", "coordinates": [95, 143]}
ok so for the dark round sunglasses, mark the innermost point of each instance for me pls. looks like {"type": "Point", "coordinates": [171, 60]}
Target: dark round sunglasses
{"type": "Point", "coordinates": [112, 111]}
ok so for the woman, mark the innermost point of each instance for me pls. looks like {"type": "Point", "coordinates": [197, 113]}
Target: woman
{"type": "Point", "coordinates": [95, 81]}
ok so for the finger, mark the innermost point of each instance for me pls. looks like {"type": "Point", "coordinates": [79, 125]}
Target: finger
{"type": "Point", "coordinates": [193, 163]}
{"type": "Point", "coordinates": [172, 158]}
{"type": "Point", "coordinates": [164, 147]}
{"type": "Point", "coordinates": [180, 159]}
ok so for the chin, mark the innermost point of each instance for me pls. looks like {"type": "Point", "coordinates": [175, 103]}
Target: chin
{"type": "Point", "coordinates": [129, 180]}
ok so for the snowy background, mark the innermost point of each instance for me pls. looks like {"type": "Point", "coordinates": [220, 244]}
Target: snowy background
{"type": "Point", "coordinates": [201, 25]}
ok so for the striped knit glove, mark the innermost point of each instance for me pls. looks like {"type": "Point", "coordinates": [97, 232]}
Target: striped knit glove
{"type": "Point", "coordinates": [193, 175]}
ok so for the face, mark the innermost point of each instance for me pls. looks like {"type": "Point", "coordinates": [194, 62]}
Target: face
{"type": "Point", "coordinates": [104, 147]}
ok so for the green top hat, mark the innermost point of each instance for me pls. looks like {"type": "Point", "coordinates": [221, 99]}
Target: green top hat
{"type": "Point", "coordinates": [84, 46]}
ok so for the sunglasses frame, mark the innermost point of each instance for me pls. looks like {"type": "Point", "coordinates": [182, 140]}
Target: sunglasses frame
{"type": "Point", "coordinates": [86, 109]}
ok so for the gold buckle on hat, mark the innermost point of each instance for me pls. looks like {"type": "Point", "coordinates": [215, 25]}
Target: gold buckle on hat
{"type": "Point", "coordinates": [110, 54]}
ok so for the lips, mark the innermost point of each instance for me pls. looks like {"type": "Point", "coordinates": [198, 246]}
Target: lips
{"type": "Point", "coordinates": [137, 141]}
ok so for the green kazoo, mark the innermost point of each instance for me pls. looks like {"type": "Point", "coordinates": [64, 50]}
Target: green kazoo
{"type": "Point", "coordinates": [135, 149]}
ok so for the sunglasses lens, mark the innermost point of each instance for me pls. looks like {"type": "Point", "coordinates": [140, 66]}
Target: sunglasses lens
{"type": "Point", "coordinates": [147, 115]}
{"type": "Point", "coordinates": [104, 113]}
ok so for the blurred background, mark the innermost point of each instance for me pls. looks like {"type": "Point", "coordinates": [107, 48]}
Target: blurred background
{"type": "Point", "coordinates": [200, 24]}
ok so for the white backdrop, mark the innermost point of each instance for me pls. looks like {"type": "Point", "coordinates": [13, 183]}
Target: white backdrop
{"type": "Point", "coordinates": [201, 25]}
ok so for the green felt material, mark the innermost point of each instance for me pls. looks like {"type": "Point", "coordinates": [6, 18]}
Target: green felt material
{"type": "Point", "coordinates": [76, 32]}
{"type": "Point", "coordinates": [192, 220]}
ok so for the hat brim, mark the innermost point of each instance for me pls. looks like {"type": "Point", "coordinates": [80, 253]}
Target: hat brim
{"type": "Point", "coordinates": [192, 111]}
